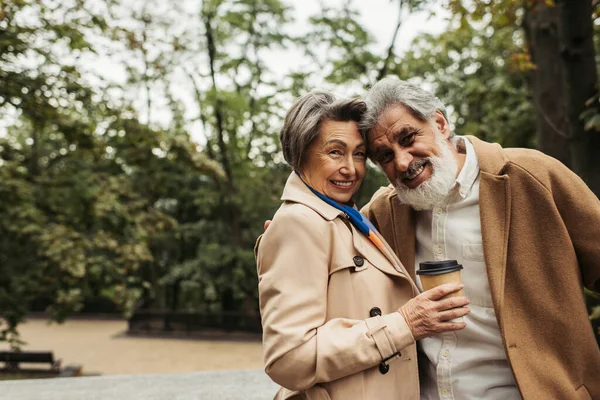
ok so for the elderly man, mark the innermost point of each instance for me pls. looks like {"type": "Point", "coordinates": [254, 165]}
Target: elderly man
{"type": "Point", "coordinates": [525, 228]}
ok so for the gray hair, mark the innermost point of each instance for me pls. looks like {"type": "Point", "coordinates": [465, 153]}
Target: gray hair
{"type": "Point", "coordinates": [303, 122]}
{"type": "Point", "coordinates": [390, 92]}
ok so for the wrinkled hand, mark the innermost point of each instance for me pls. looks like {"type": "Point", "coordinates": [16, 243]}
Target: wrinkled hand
{"type": "Point", "coordinates": [429, 314]}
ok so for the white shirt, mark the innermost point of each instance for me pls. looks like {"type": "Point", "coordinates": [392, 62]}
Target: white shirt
{"type": "Point", "coordinates": [470, 363]}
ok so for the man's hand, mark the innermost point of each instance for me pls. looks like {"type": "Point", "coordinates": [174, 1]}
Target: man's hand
{"type": "Point", "coordinates": [428, 314]}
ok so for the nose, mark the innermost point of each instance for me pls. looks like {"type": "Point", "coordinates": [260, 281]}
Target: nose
{"type": "Point", "coordinates": [348, 169]}
{"type": "Point", "coordinates": [402, 159]}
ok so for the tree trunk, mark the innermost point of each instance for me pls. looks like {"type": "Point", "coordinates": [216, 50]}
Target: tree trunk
{"type": "Point", "coordinates": [541, 31]}
{"type": "Point", "coordinates": [577, 55]}
{"type": "Point", "coordinates": [231, 189]}
{"type": "Point", "coordinates": [560, 40]}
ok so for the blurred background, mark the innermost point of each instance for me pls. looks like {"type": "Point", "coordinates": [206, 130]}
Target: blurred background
{"type": "Point", "coordinates": [139, 150]}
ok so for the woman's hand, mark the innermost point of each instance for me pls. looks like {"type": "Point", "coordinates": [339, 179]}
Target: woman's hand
{"type": "Point", "coordinates": [429, 314]}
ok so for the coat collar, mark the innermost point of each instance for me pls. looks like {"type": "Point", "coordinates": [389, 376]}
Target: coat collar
{"type": "Point", "coordinates": [296, 191]}
{"type": "Point", "coordinates": [490, 156]}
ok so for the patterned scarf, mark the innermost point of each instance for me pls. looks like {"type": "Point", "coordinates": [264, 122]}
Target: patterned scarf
{"type": "Point", "coordinates": [359, 221]}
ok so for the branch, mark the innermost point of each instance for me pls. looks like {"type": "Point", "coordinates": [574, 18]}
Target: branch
{"type": "Point", "coordinates": [212, 54]}
{"type": "Point", "coordinates": [258, 81]}
{"type": "Point", "coordinates": [390, 53]}
{"type": "Point", "coordinates": [198, 95]}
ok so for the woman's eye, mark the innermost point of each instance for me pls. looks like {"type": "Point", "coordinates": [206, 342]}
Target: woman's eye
{"type": "Point", "coordinates": [361, 154]}
{"type": "Point", "coordinates": [336, 152]}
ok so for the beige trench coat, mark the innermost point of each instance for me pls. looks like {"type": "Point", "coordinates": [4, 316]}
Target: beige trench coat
{"type": "Point", "coordinates": [540, 227]}
{"type": "Point", "coordinates": [321, 285]}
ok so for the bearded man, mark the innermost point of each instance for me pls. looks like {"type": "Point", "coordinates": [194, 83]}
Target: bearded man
{"type": "Point", "coordinates": [527, 232]}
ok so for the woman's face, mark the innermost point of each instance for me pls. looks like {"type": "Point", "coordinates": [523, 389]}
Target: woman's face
{"type": "Point", "coordinates": [335, 161]}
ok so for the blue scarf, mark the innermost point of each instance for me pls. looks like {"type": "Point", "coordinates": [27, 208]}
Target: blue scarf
{"type": "Point", "coordinates": [358, 220]}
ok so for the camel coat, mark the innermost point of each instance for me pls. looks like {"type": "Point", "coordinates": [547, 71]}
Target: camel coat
{"type": "Point", "coordinates": [541, 241]}
{"type": "Point", "coordinates": [322, 286]}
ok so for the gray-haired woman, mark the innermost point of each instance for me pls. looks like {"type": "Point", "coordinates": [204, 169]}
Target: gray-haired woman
{"type": "Point", "coordinates": [334, 299]}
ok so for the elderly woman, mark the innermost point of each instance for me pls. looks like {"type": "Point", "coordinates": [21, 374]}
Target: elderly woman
{"type": "Point", "coordinates": [340, 313]}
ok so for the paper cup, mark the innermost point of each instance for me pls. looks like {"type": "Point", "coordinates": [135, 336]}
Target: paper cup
{"type": "Point", "coordinates": [436, 273]}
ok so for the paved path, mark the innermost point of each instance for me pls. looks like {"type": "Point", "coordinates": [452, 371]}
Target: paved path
{"type": "Point", "coordinates": [100, 347]}
{"type": "Point", "coordinates": [217, 385]}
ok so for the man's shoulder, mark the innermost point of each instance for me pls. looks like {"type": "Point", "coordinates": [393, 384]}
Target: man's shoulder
{"type": "Point", "coordinates": [518, 160]}
{"type": "Point", "coordinates": [383, 193]}
{"type": "Point", "coordinates": [528, 157]}
{"type": "Point", "coordinates": [536, 164]}
{"type": "Point", "coordinates": [379, 199]}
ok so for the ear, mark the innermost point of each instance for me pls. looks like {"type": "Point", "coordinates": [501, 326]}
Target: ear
{"type": "Point", "coordinates": [442, 124]}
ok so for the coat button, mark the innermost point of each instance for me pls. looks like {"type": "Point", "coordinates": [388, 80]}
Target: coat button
{"type": "Point", "coordinates": [375, 311]}
{"type": "Point", "coordinates": [384, 368]}
{"type": "Point", "coordinates": [358, 261]}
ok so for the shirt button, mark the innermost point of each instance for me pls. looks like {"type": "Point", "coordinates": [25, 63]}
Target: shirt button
{"type": "Point", "coordinates": [439, 210]}
{"type": "Point", "coordinates": [446, 353]}
{"type": "Point", "coordinates": [439, 250]}
{"type": "Point", "coordinates": [444, 391]}
{"type": "Point", "coordinates": [462, 191]}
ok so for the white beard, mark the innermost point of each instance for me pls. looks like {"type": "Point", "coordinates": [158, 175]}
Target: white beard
{"type": "Point", "coordinates": [435, 189]}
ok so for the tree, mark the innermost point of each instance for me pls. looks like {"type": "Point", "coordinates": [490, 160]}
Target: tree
{"type": "Point", "coordinates": [478, 70]}
{"type": "Point", "coordinates": [561, 43]}
{"type": "Point", "coordinates": [80, 213]}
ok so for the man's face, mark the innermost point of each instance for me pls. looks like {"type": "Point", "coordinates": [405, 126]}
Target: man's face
{"type": "Point", "coordinates": [416, 156]}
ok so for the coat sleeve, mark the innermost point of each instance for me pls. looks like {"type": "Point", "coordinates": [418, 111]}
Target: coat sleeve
{"type": "Point", "coordinates": [302, 347]}
{"type": "Point", "coordinates": [580, 210]}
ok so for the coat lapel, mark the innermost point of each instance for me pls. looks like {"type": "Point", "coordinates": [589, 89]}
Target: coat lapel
{"type": "Point", "coordinates": [494, 209]}
{"type": "Point", "coordinates": [403, 222]}
{"type": "Point", "coordinates": [369, 251]}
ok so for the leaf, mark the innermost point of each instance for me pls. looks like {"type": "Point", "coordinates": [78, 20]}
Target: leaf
{"type": "Point", "coordinates": [595, 314]}
{"type": "Point", "coordinates": [593, 123]}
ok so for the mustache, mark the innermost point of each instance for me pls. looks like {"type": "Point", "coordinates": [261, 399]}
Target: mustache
{"type": "Point", "coordinates": [414, 166]}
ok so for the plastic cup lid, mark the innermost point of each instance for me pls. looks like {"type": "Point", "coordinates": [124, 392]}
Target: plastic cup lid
{"type": "Point", "coordinates": [438, 267]}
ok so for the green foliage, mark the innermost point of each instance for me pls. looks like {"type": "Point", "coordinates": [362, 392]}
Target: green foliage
{"type": "Point", "coordinates": [478, 67]}
{"type": "Point", "coordinates": [104, 196]}
{"type": "Point", "coordinates": [78, 177]}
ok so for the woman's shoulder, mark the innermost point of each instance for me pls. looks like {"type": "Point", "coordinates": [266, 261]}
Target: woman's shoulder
{"type": "Point", "coordinates": [294, 222]}
{"type": "Point", "coordinates": [296, 215]}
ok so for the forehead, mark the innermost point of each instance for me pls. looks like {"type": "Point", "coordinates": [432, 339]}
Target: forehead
{"type": "Point", "coordinates": [346, 131]}
{"type": "Point", "coordinates": [391, 122]}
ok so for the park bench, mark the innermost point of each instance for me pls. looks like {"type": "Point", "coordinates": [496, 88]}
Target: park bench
{"type": "Point", "coordinates": [12, 359]}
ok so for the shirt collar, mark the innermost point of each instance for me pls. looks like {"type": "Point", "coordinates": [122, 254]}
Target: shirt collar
{"type": "Point", "coordinates": [470, 170]}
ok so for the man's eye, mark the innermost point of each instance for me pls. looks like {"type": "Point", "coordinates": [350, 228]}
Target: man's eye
{"type": "Point", "coordinates": [408, 139]}
{"type": "Point", "coordinates": [385, 157]}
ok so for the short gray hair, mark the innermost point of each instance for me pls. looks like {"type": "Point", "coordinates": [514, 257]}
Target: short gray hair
{"type": "Point", "coordinates": [390, 92]}
{"type": "Point", "coordinates": [303, 122]}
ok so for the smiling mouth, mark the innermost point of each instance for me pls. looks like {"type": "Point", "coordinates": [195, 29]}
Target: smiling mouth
{"type": "Point", "coordinates": [343, 184]}
{"type": "Point", "coordinates": [415, 171]}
